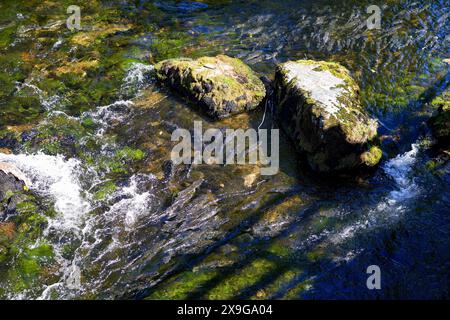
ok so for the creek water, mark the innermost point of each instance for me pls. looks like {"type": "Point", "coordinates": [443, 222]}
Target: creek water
{"type": "Point", "coordinates": [94, 137]}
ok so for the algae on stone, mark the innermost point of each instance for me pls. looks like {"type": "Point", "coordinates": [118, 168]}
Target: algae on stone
{"type": "Point", "coordinates": [319, 108]}
{"type": "Point", "coordinates": [221, 84]}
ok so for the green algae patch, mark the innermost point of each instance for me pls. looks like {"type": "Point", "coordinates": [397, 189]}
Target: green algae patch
{"type": "Point", "coordinates": [29, 266]}
{"type": "Point", "coordinates": [442, 101]}
{"type": "Point", "coordinates": [124, 157]}
{"type": "Point", "coordinates": [236, 284]}
{"type": "Point", "coordinates": [279, 249]}
{"type": "Point", "coordinates": [59, 134]}
{"type": "Point", "coordinates": [319, 108]}
{"type": "Point", "coordinates": [116, 164]}
{"type": "Point", "coordinates": [6, 35]}
{"type": "Point", "coordinates": [316, 254]}
{"type": "Point", "coordinates": [296, 291]}
{"type": "Point", "coordinates": [282, 280]}
{"type": "Point", "coordinates": [105, 190]}
{"type": "Point", "coordinates": [169, 48]}
{"type": "Point", "coordinates": [131, 154]}
{"type": "Point", "coordinates": [182, 286]}
{"type": "Point", "coordinates": [25, 259]}
{"type": "Point", "coordinates": [372, 157]}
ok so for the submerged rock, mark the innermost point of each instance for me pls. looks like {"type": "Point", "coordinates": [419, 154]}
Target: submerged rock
{"type": "Point", "coordinates": [319, 108]}
{"type": "Point", "coordinates": [221, 84]}
{"type": "Point", "coordinates": [440, 123]}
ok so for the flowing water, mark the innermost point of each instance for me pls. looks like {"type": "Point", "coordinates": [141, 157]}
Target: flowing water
{"type": "Point", "coordinates": [83, 118]}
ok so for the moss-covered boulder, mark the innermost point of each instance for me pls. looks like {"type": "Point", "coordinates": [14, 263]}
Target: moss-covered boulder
{"type": "Point", "coordinates": [221, 85]}
{"type": "Point", "coordinates": [319, 108]}
{"type": "Point", "coordinates": [440, 123]}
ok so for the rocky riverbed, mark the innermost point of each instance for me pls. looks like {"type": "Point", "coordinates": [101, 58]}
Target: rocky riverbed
{"type": "Point", "coordinates": [86, 116]}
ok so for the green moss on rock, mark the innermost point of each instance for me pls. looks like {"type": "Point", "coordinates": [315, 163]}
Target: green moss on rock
{"type": "Point", "coordinates": [221, 84]}
{"type": "Point", "coordinates": [25, 258]}
{"type": "Point", "coordinates": [319, 108]}
{"type": "Point", "coordinates": [180, 287]}
{"type": "Point", "coordinates": [105, 190]}
{"type": "Point", "coordinates": [372, 157]}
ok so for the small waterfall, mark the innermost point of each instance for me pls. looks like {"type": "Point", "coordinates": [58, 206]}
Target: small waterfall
{"type": "Point", "coordinates": [134, 203]}
{"type": "Point", "coordinates": [58, 179]}
{"type": "Point", "coordinates": [48, 102]}
{"type": "Point", "coordinates": [388, 210]}
{"type": "Point", "coordinates": [399, 169]}
{"type": "Point", "coordinates": [138, 76]}
{"type": "Point", "coordinates": [109, 115]}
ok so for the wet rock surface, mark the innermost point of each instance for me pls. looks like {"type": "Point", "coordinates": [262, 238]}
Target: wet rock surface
{"type": "Point", "coordinates": [109, 216]}
{"type": "Point", "coordinates": [221, 84]}
{"type": "Point", "coordinates": [319, 108]}
{"type": "Point", "coordinates": [10, 185]}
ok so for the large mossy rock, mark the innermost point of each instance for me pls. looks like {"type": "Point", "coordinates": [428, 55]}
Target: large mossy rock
{"type": "Point", "coordinates": [221, 85]}
{"type": "Point", "coordinates": [319, 108]}
{"type": "Point", "coordinates": [440, 123]}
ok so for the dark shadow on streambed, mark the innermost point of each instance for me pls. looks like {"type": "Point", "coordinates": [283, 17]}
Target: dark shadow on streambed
{"type": "Point", "coordinates": [390, 249]}
{"type": "Point", "coordinates": [411, 250]}
{"type": "Point", "coordinates": [188, 261]}
{"type": "Point", "coordinates": [304, 252]}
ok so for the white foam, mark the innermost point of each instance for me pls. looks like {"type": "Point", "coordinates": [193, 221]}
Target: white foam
{"type": "Point", "coordinates": [58, 44]}
{"type": "Point", "coordinates": [47, 102]}
{"type": "Point", "coordinates": [98, 229]}
{"type": "Point", "coordinates": [392, 206]}
{"type": "Point", "coordinates": [57, 178]}
{"type": "Point", "coordinates": [399, 169]}
{"type": "Point", "coordinates": [137, 77]}
{"type": "Point", "coordinates": [134, 204]}
{"type": "Point", "coordinates": [108, 115]}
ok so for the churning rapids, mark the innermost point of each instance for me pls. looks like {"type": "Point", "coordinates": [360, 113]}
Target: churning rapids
{"type": "Point", "coordinates": [138, 226]}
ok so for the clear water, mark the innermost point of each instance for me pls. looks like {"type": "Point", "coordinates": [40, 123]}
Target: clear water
{"type": "Point", "coordinates": [201, 231]}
